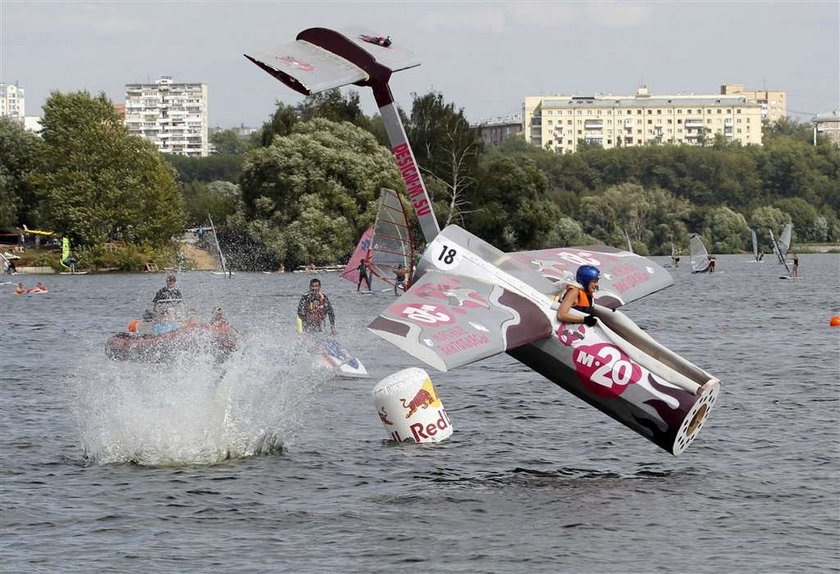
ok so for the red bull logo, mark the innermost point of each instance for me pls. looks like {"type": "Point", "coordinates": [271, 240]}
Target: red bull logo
{"type": "Point", "coordinates": [605, 370]}
{"type": "Point", "coordinates": [423, 399]}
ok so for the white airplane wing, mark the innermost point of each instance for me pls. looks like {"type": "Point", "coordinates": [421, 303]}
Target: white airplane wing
{"type": "Point", "coordinates": [448, 321]}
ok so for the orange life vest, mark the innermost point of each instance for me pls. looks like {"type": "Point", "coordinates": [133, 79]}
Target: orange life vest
{"type": "Point", "coordinates": [584, 303]}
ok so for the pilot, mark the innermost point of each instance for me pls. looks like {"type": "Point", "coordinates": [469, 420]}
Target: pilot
{"type": "Point", "coordinates": [580, 296]}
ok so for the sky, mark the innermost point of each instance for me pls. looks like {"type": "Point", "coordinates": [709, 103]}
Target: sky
{"type": "Point", "coordinates": [484, 57]}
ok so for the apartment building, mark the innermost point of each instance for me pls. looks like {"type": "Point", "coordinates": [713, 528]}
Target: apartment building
{"type": "Point", "coordinates": [563, 123]}
{"type": "Point", "coordinates": [497, 130]}
{"type": "Point", "coordinates": [171, 115]}
{"type": "Point", "coordinates": [12, 102]}
{"type": "Point", "coordinates": [773, 104]}
{"type": "Point", "coordinates": [828, 125]}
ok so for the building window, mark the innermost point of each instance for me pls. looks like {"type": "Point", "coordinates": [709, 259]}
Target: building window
{"type": "Point", "coordinates": [650, 122]}
{"type": "Point", "coordinates": [658, 112]}
{"type": "Point", "coordinates": [639, 112]}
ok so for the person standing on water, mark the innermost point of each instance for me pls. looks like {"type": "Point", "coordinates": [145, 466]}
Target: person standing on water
{"type": "Point", "coordinates": [364, 274]}
{"type": "Point", "coordinates": [399, 278]}
{"type": "Point", "coordinates": [314, 308]}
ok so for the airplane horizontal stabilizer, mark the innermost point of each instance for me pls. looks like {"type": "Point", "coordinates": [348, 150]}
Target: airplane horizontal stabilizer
{"type": "Point", "coordinates": [448, 321]}
{"type": "Point", "coordinates": [322, 59]}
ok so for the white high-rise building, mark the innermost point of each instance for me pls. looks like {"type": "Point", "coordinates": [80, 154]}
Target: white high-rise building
{"type": "Point", "coordinates": [12, 102]}
{"type": "Point", "coordinates": [171, 115]}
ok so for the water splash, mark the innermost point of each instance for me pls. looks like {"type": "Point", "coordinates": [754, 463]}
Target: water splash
{"type": "Point", "coordinates": [195, 410]}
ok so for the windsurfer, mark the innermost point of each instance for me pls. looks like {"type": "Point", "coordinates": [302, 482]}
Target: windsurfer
{"type": "Point", "coordinates": [580, 296]}
{"type": "Point", "coordinates": [314, 309]}
{"type": "Point", "coordinates": [794, 270]}
{"type": "Point", "coordinates": [399, 280]}
{"type": "Point", "coordinates": [712, 263]}
{"type": "Point", "coordinates": [364, 274]}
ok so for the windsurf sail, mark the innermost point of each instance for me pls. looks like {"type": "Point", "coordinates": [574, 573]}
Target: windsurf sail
{"type": "Point", "coordinates": [784, 240]}
{"type": "Point", "coordinates": [392, 244]}
{"type": "Point", "coordinates": [219, 254]}
{"type": "Point", "coordinates": [351, 270]}
{"type": "Point", "coordinates": [387, 244]}
{"type": "Point", "coordinates": [698, 254]}
{"type": "Point", "coordinates": [777, 249]}
{"type": "Point", "coordinates": [755, 244]}
{"type": "Point", "coordinates": [65, 252]}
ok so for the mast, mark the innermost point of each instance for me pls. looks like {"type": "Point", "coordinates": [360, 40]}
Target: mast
{"type": "Point", "coordinates": [218, 247]}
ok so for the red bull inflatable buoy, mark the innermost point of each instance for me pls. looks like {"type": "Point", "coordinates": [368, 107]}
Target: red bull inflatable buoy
{"type": "Point", "coordinates": [835, 321]}
{"type": "Point", "coordinates": [410, 408]}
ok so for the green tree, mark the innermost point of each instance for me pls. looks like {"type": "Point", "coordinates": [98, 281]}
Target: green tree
{"type": "Point", "coordinates": [216, 167]}
{"type": "Point", "coordinates": [218, 199]}
{"type": "Point", "coordinates": [19, 158]}
{"type": "Point", "coordinates": [808, 225]}
{"type": "Point", "coordinates": [229, 142]}
{"type": "Point", "coordinates": [310, 195]}
{"type": "Point", "coordinates": [514, 212]}
{"type": "Point", "coordinates": [725, 231]}
{"type": "Point", "coordinates": [332, 105]}
{"type": "Point", "coordinates": [100, 183]}
{"type": "Point", "coordinates": [281, 123]}
{"type": "Point", "coordinates": [448, 150]}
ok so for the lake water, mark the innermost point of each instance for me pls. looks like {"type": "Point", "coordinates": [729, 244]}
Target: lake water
{"type": "Point", "coordinates": [115, 467]}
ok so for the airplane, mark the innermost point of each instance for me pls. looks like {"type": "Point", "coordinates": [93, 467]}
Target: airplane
{"type": "Point", "coordinates": [469, 300]}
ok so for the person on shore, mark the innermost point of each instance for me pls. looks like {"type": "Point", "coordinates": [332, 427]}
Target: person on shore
{"type": "Point", "coordinates": [364, 274]}
{"type": "Point", "coordinates": [314, 308]}
{"type": "Point", "coordinates": [580, 296]}
{"type": "Point", "coordinates": [399, 278]}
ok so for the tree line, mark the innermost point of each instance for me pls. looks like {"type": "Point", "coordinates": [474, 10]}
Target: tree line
{"type": "Point", "coordinates": [303, 188]}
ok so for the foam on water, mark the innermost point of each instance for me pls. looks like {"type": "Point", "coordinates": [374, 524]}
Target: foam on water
{"type": "Point", "coordinates": [194, 410]}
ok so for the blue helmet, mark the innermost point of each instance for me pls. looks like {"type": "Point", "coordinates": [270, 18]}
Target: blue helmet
{"type": "Point", "coordinates": [585, 274]}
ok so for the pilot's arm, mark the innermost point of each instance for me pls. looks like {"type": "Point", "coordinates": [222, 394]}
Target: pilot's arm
{"type": "Point", "coordinates": [569, 300]}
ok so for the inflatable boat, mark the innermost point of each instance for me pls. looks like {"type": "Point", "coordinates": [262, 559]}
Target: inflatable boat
{"type": "Point", "coordinates": [193, 337]}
